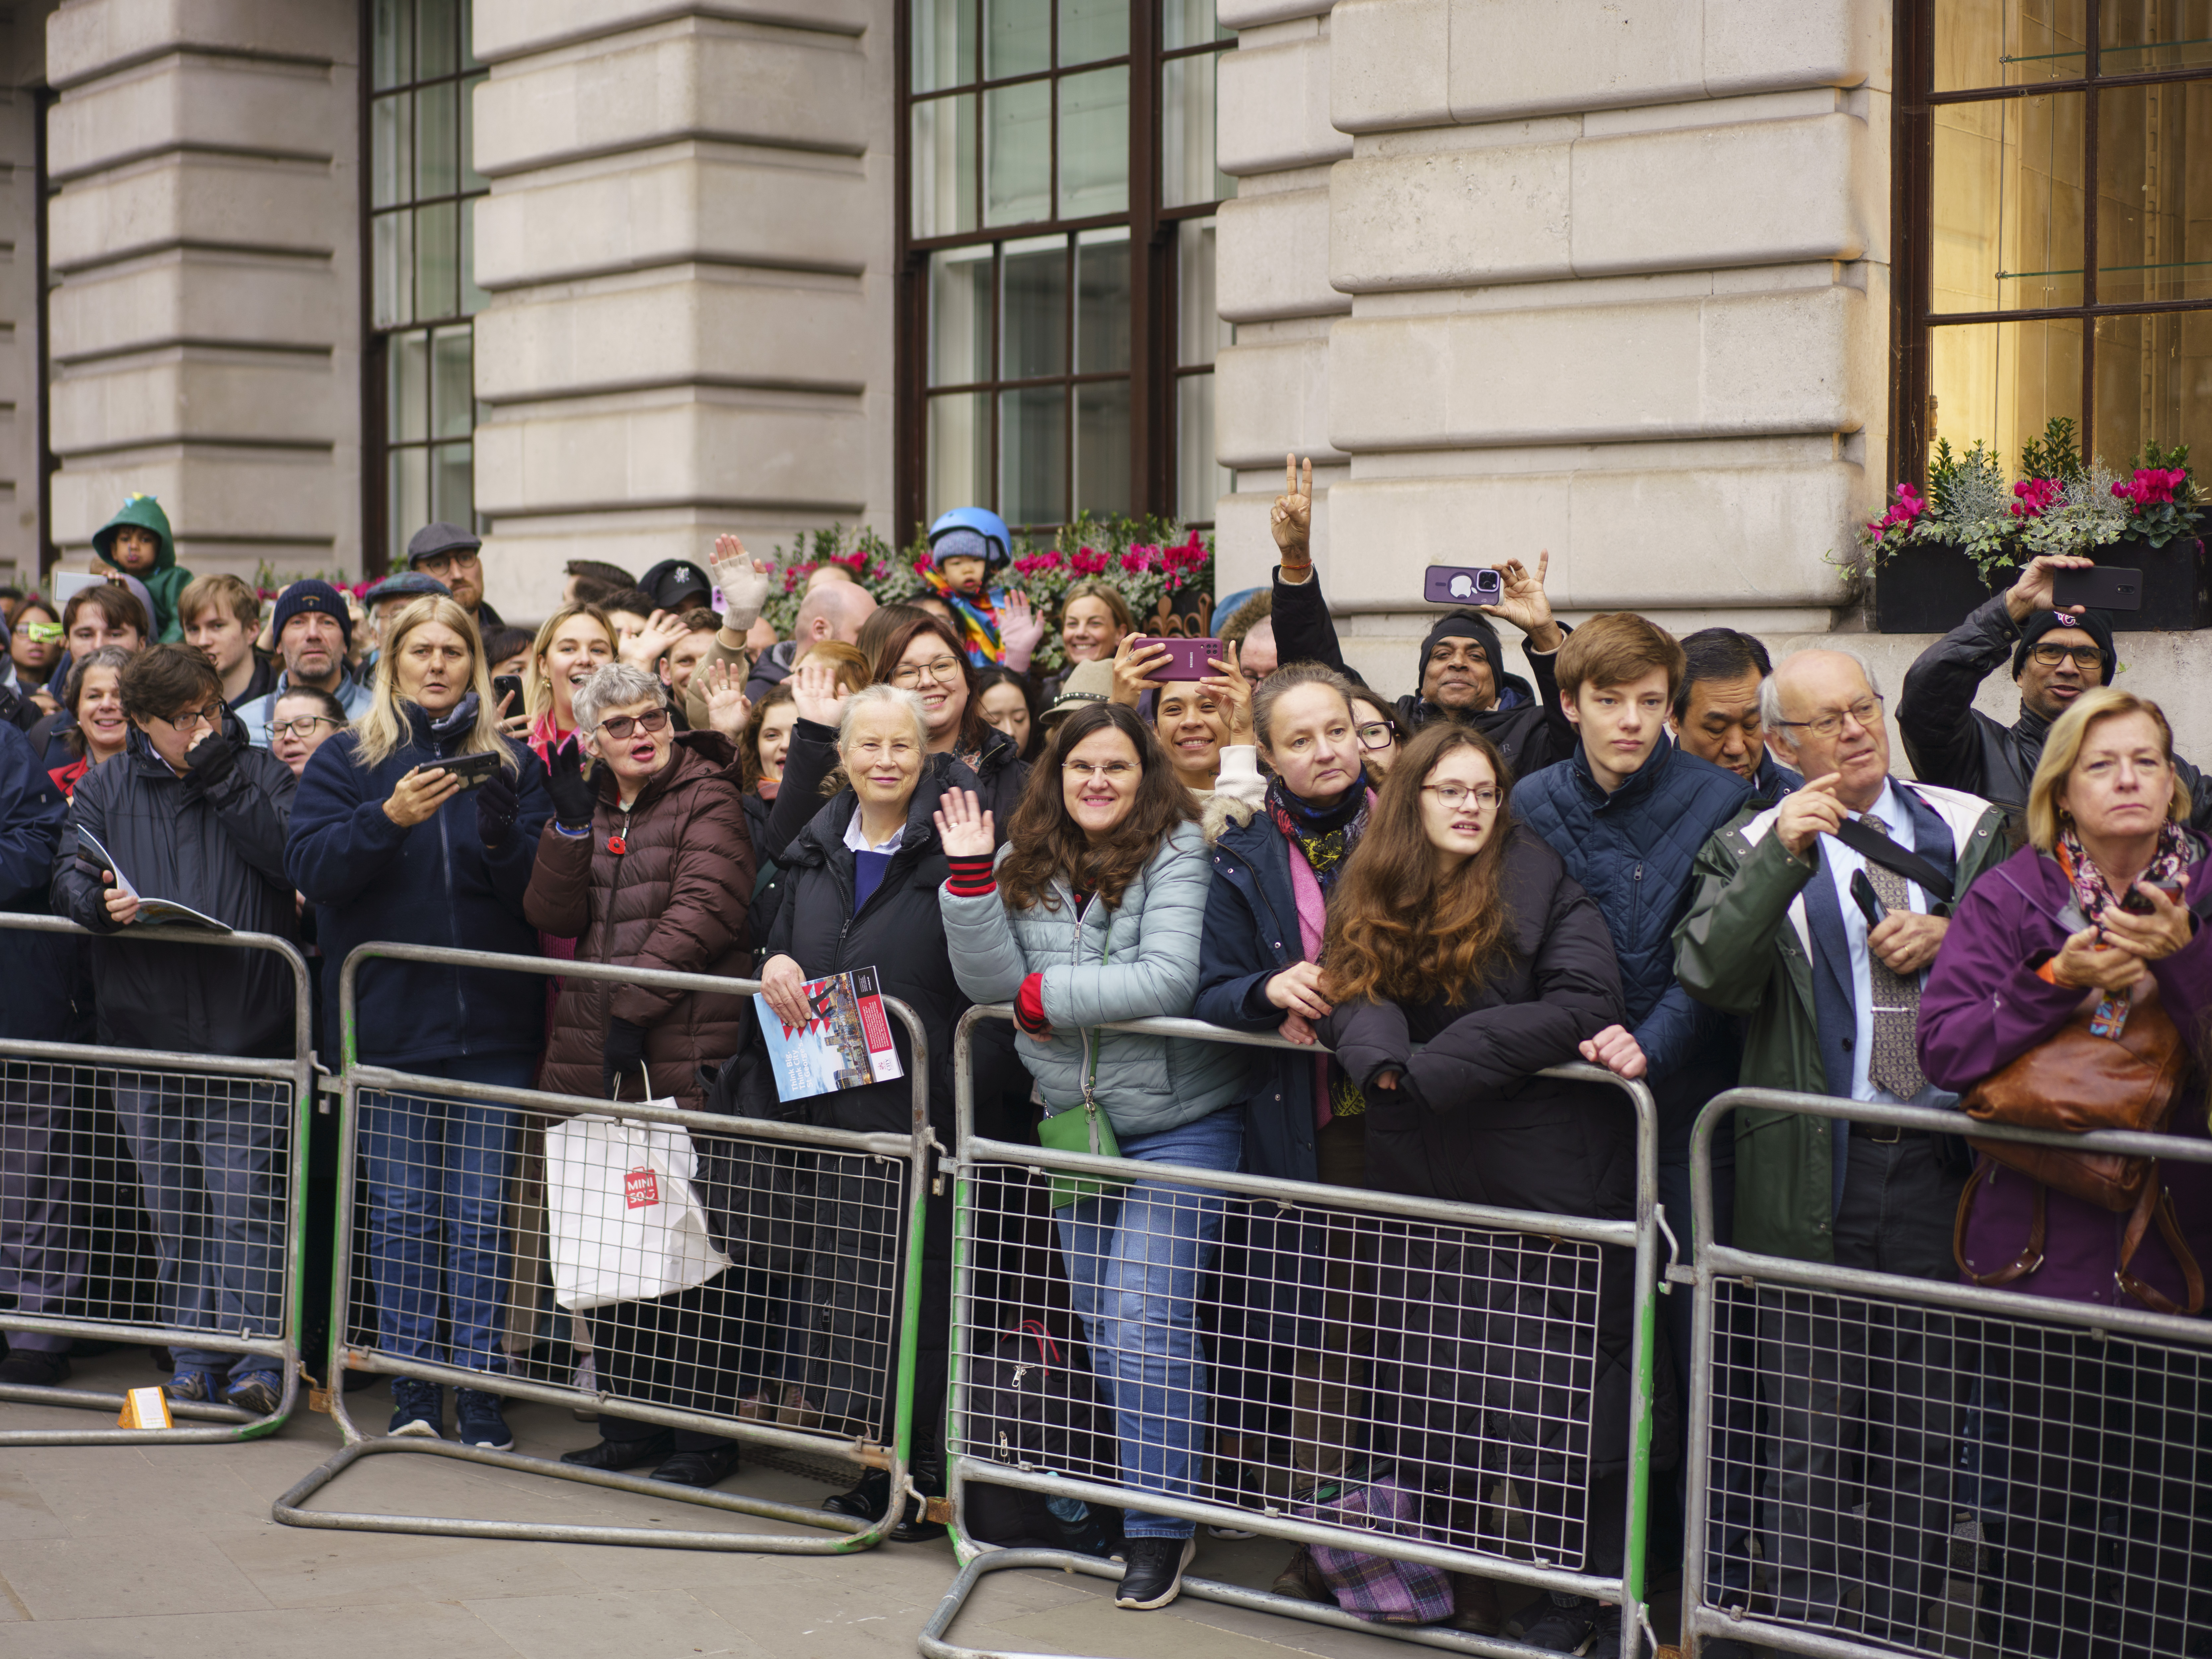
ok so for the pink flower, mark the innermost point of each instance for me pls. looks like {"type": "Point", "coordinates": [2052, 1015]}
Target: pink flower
{"type": "Point", "coordinates": [1140, 558]}
{"type": "Point", "coordinates": [2152, 485]}
{"type": "Point", "coordinates": [1030, 563]}
{"type": "Point", "coordinates": [1909, 506]}
{"type": "Point", "coordinates": [2034, 496]}
{"type": "Point", "coordinates": [1085, 562]}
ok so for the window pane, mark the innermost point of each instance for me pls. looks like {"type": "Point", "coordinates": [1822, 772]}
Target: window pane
{"type": "Point", "coordinates": [393, 252]}
{"type": "Point", "coordinates": [2008, 203]}
{"type": "Point", "coordinates": [1033, 455]}
{"type": "Point", "coordinates": [473, 299]}
{"type": "Point", "coordinates": [1019, 153]}
{"type": "Point", "coordinates": [2000, 382]}
{"type": "Point", "coordinates": [1091, 30]}
{"type": "Point", "coordinates": [1200, 331]}
{"type": "Point", "coordinates": [1188, 23]}
{"type": "Point", "coordinates": [391, 50]}
{"type": "Point", "coordinates": [1101, 301]}
{"type": "Point", "coordinates": [452, 485]}
{"type": "Point", "coordinates": [406, 394]}
{"type": "Point", "coordinates": [1102, 446]}
{"type": "Point", "coordinates": [960, 316]}
{"type": "Point", "coordinates": [2008, 43]}
{"type": "Point", "coordinates": [392, 149]}
{"type": "Point", "coordinates": [437, 140]}
{"type": "Point", "coordinates": [1188, 174]}
{"type": "Point", "coordinates": [2153, 238]}
{"type": "Point", "coordinates": [407, 498]}
{"type": "Point", "coordinates": [944, 44]}
{"type": "Point", "coordinates": [1018, 40]}
{"type": "Point", "coordinates": [452, 393]}
{"type": "Point", "coordinates": [1200, 483]}
{"type": "Point", "coordinates": [2153, 383]}
{"type": "Point", "coordinates": [2152, 34]}
{"type": "Point", "coordinates": [943, 159]}
{"type": "Point", "coordinates": [1094, 143]}
{"type": "Point", "coordinates": [1034, 313]}
{"type": "Point", "coordinates": [437, 34]}
{"type": "Point", "coordinates": [959, 452]}
{"type": "Point", "coordinates": [437, 262]}
{"type": "Point", "coordinates": [470, 179]}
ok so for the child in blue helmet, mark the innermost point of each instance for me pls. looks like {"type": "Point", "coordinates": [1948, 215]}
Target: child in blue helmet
{"type": "Point", "coordinates": [965, 545]}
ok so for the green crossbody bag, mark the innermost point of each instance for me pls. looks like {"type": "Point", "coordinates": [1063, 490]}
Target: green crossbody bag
{"type": "Point", "coordinates": [1082, 1129]}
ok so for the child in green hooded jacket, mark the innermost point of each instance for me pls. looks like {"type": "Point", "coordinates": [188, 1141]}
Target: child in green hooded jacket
{"type": "Point", "coordinates": [136, 541]}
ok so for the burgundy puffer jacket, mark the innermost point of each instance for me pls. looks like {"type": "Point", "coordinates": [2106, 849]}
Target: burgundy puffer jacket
{"type": "Point", "coordinates": [676, 900]}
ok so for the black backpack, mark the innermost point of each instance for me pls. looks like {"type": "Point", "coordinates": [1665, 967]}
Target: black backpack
{"type": "Point", "coordinates": [1034, 1406]}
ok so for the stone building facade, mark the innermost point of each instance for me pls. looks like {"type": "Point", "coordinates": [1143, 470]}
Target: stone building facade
{"type": "Point", "coordinates": [1611, 278]}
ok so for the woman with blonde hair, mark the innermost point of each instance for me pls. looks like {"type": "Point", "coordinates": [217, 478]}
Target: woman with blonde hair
{"type": "Point", "coordinates": [2090, 932]}
{"type": "Point", "coordinates": [572, 644]}
{"type": "Point", "coordinates": [419, 824]}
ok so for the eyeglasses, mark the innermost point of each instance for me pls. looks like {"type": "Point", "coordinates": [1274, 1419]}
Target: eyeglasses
{"type": "Point", "coordinates": [943, 669]}
{"type": "Point", "coordinates": [1867, 712]}
{"type": "Point", "coordinates": [1377, 734]}
{"type": "Point", "coordinates": [193, 718]}
{"type": "Point", "coordinates": [1453, 795]}
{"type": "Point", "coordinates": [619, 727]}
{"type": "Point", "coordinates": [2086, 657]}
{"type": "Point", "coordinates": [302, 726]}
{"type": "Point", "coordinates": [1083, 771]}
{"type": "Point", "coordinates": [44, 633]}
{"type": "Point", "coordinates": [442, 564]}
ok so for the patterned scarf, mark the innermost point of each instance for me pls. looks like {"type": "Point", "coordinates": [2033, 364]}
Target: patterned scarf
{"type": "Point", "coordinates": [1325, 835]}
{"type": "Point", "coordinates": [978, 618]}
{"type": "Point", "coordinates": [2092, 893]}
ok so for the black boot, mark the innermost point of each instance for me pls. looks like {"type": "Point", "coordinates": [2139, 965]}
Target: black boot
{"type": "Point", "coordinates": [867, 1499]}
{"type": "Point", "coordinates": [612, 1455]}
{"type": "Point", "coordinates": [914, 1526]}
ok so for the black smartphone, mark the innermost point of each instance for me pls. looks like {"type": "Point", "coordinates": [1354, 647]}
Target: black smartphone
{"type": "Point", "coordinates": [2101, 587]}
{"type": "Point", "coordinates": [1866, 899]}
{"type": "Point", "coordinates": [1462, 584]}
{"type": "Point", "coordinates": [473, 770]}
{"type": "Point", "coordinates": [501, 685]}
{"type": "Point", "coordinates": [2136, 905]}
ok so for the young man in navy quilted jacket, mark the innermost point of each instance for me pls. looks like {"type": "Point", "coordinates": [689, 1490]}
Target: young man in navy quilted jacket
{"type": "Point", "coordinates": [1628, 812]}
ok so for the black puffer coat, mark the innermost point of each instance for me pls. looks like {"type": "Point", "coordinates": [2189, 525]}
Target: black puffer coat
{"type": "Point", "coordinates": [217, 845]}
{"type": "Point", "coordinates": [1494, 1338]}
{"type": "Point", "coordinates": [997, 776]}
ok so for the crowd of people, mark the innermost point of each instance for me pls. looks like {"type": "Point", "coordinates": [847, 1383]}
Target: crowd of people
{"type": "Point", "coordinates": [1676, 860]}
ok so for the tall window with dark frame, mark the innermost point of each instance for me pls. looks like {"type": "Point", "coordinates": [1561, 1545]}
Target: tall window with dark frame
{"type": "Point", "coordinates": [421, 182]}
{"type": "Point", "coordinates": [2063, 257]}
{"type": "Point", "coordinates": [1061, 184]}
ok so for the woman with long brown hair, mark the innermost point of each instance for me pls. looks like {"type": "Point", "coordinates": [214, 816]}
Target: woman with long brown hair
{"type": "Point", "coordinates": [1462, 960]}
{"type": "Point", "coordinates": [1092, 915]}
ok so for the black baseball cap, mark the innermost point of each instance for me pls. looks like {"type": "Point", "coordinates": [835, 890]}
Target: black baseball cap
{"type": "Point", "coordinates": [672, 582]}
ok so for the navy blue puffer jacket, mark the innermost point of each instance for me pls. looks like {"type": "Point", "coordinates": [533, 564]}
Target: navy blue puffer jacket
{"type": "Point", "coordinates": [1631, 852]}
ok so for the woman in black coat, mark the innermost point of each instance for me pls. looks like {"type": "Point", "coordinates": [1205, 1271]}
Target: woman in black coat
{"type": "Point", "coordinates": [1456, 929]}
{"type": "Point", "coordinates": [859, 891]}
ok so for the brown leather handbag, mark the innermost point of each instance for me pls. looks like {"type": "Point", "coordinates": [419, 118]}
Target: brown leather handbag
{"type": "Point", "coordinates": [2076, 1081]}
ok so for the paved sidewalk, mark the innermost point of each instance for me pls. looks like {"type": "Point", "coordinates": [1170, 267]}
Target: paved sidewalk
{"type": "Point", "coordinates": [168, 1552]}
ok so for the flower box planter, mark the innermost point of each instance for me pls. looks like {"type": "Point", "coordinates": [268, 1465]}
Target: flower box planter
{"type": "Point", "coordinates": [2177, 587]}
{"type": "Point", "coordinates": [1929, 589]}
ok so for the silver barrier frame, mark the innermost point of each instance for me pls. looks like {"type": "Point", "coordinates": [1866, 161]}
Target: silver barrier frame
{"type": "Point", "coordinates": [1641, 1234]}
{"type": "Point", "coordinates": [849, 1535]}
{"type": "Point", "coordinates": [221, 1423]}
{"type": "Point", "coordinates": [1715, 1263]}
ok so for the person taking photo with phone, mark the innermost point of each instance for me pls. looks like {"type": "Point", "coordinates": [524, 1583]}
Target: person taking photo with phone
{"type": "Point", "coordinates": [418, 825]}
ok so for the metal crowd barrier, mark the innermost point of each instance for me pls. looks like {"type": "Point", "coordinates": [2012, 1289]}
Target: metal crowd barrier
{"type": "Point", "coordinates": [796, 1211]}
{"type": "Point", "coordinates": [2025, 1476]}
{"type": "Point", "coordinates": [69, 1114]}
{"type": "Point", "coordinates": [1524, 1530]}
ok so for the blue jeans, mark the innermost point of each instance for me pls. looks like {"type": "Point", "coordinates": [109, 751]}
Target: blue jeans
{"type": "Point", "coordinates": [437, 1174]}
{"type": "Point", "coordinates": [1133, 1264]}
{"type": "Point", "coordinates": [208, 1151]}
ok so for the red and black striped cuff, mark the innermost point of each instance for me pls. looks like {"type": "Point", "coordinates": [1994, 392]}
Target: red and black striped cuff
{"type": "Point", "coordinates": [970, 877]}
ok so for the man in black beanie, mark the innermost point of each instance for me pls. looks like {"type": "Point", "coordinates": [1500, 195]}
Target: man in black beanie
{"type": "Point", "coordinates": [1463, 675]}
{"type": "Point", "coordinates": [2055, 655]}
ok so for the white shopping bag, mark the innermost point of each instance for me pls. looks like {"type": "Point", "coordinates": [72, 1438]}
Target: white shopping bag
{"type": "Point", "coordinates": [624, 1223]}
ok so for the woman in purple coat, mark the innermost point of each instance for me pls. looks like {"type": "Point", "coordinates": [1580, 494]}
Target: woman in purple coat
{"type": "Point", "coordinates": [2088, 1464]}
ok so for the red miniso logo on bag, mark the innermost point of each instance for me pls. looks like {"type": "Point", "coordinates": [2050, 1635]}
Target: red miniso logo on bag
{"type": "Point", "coordinates": [640, 1189]}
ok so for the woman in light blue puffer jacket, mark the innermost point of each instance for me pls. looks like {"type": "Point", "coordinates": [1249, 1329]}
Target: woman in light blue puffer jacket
{"type": "Point", "coordinates": [1093, 914]}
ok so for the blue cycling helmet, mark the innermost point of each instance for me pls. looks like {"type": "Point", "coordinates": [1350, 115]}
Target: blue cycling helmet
{"type": "Point", "coordinates": [974, 533]}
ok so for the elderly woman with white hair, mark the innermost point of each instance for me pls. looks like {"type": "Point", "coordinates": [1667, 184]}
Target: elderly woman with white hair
{"type": "Point", "coordinates": [859, 891]}
{"type": "Point", "coordinates": [645, 862]}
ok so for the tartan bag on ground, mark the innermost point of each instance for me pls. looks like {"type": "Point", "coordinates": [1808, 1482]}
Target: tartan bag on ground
{"type": "Point", "coordinates": [1378, 1587]}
